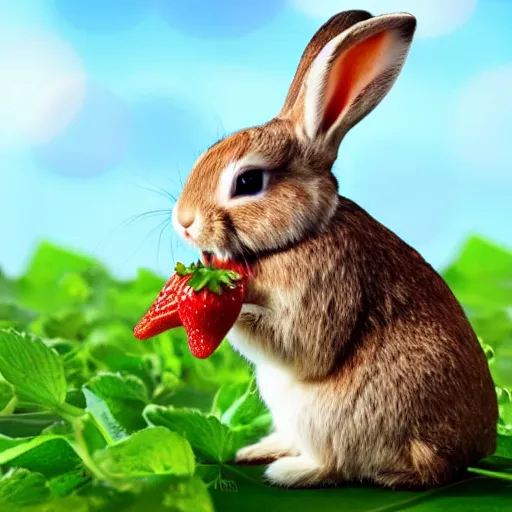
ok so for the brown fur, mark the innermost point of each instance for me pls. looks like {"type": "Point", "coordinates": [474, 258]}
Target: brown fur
{"type": "Point", "coordinates": [364, 356]}
{"type": "Point", "coordinates": [399, 355]}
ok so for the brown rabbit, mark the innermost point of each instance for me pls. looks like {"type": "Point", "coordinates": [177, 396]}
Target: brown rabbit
{"type": "Point", "coordinates": [364, 357]}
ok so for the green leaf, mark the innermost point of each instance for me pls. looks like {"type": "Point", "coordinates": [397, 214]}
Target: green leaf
{"type": "Point", "coordinates": [50, 263]}
{"type": "Point", "coordinates": [240, 407]}
{"type": "Point", "coordinates": [47, 454]}
{"type": "Point", "coordinates": [64, 484]}
{"type": "Point", "coordinates": [495, 327]}
{"type": "Point", "coordinates": [21, 488]}
{"type": "Point", "coordinates": [113, 359]}
{"type": "Point", "coordinates": [91, 434]}
{"type": "Point", "coordinates": [188, 496]}
{"type": "Point", "coordinates": [244, 408]}
{"type": "Point", "coordinates": [505, 411]}
{"type": "Point", "coordinates": [254, 431]}
{"type": "Point", "coordinates": [74, 360]}
{"type": "Point", "coordinates": [117, 403]}
{"type": "Point", "coordinates": [164, 346]}
{"type": "Point", "coordinates": [502, 366]}
{"type": "Point", "coordinates": [498, 261]}
{"type": "Point", "coordinates": [70, 325]}
{"type": "Point", "coordinates": [482, 289]}
{"type": "Point", "coordinates": [34, 370]}
{"type": "Point", "coordinates": [7, 288]}
{"type": "Point", "coordinates": [193, 398]}
{"type": "Point", "coordinates": [76, 398]}
{"type": "Point", "coordinates": [226, 396]}
{"type": "Point", "coordinates": [222, 367]}
{"type": "Point", "coordinates": [470, 495]}
{"type": "Point", "coordinates": [153, 451]}
{"type": "Point", "coordinates": [12, 315]}
{"type": "Point", "coordinates": [102, 498]}
{"type": "Point", "coordinates": [129, 300]}
{"type": "Point", "coordinates": [504, 447]}
{"type": "Point", "coordinates": [211, 440]}
{"type": "Point", "coordinates": [117, 334]}
{"type": "Point", "coordinates": [166, 389]}
{"type": "Point", "coordinates": [6, 395]}
{"type": "Point", "coordinates": [76, 287]}
{"type": "Point", "coordinates": [58, 279]}
{"type": "Point", "coordinates": [26, 424]}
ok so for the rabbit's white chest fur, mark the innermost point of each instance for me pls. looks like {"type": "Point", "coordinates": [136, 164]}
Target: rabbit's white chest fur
{"type": "Point", "coordinates": [283, 396]}
{"type": "Point", "coordinates": [241, 342]}
{"type": "Point", "coordinates": [280, 390]}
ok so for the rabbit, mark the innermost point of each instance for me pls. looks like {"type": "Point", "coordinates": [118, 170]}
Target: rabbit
{"type": "Point", "coordinates": [364, 357]}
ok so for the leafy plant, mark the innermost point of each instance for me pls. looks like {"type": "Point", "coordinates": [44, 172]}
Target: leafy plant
{"type": "Point", "coordinates": [92, 419]}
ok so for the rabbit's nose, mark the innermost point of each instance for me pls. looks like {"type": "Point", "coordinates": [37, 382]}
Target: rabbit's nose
{"type": "Point", "coordinates": [186, 217]}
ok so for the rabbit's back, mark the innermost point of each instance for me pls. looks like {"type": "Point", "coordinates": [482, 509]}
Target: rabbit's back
{"type": "Point", "coordinates": [362, 349]}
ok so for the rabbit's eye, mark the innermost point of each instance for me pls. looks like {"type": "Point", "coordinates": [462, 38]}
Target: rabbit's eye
{"type": "Point", "coordinates": [249, 183]}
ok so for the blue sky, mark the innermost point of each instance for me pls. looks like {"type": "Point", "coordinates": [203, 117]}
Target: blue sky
{"type": "Point", "coordinates": [105, 104]}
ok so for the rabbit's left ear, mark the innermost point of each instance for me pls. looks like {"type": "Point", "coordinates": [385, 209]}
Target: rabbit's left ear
{"type": "Point", "coordinates": [350, 76]}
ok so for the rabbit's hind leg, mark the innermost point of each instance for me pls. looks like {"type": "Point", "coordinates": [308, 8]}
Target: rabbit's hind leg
{"type": "Point", "coordinates": [424, 469]}
{"type": "Point", "coordinates": [297, 471]}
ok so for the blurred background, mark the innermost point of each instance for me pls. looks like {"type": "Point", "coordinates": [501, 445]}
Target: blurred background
{"type": "Point", "coordinates": [105, 105]}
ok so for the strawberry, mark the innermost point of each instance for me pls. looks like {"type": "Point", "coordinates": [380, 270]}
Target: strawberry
{"type": "Point", "coordinates": [163, 314]}
{"type": "Point", "coordinates": [213, 300]}
{"type": "Point", "coordinates": [204, 299]}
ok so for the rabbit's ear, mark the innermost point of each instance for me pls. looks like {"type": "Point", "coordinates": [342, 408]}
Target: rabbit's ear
{"type": "Point", "coordinates": [349, 77]}
{"type": "Point", "coordinates": [328, 31]}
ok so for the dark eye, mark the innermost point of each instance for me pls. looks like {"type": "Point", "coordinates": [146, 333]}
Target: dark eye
{"type": "Point", "coordinates": [249, 183]}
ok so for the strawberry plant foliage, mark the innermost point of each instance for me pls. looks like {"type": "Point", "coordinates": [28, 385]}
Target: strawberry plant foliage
{"type": "Point", "coordinates": [93, 419]}
{"type": "Point", "coordinates": [33, 369]}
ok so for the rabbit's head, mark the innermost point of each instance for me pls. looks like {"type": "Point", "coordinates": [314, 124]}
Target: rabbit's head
{"type": "Point", "coordinates": [266, 188]}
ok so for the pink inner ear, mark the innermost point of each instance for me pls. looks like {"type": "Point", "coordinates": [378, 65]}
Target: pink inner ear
{"type": "Point", "coordinates": [352, 71]}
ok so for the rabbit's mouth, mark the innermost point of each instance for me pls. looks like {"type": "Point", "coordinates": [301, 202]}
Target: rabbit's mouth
{"type": "Point", "coordinates": [211, 259]}
{"type": "Point", "coordinates": [207, 257]}
{"type": "Point", "coordinates": [214, 258]}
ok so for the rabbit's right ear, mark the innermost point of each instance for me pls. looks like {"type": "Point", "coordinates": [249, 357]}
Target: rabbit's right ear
{"type": "Point", "coordinates": [339, 83]}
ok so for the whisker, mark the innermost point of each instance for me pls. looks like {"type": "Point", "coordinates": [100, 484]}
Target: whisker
{"type": "Point", "coordinates": [145, 215]}
{"type": "Point", "coordinates": [221, 131]}
{"type": "Point", "coordinates": [166, 192]}
{"type": "Point", "coordinates": [159, 191]}
{"type": "Point", "coordinates": [159, 243]}
{"type": "Point", "coordinates": [171, 237]}
{"type": "Point", "coordinates": [128, 222]}
{"type": "Point", "coordinates": [144, 241]}
{"type": "Point", "coordinates": [179, 175]}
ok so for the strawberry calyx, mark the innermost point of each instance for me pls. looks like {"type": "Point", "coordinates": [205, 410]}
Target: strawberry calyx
{"type": "Point", "coordinates": [209, 277]}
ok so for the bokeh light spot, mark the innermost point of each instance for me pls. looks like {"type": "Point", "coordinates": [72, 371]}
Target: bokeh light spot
{"type": "Point", "coordinates": [211, 19]}
{"type": "Point", "coordinates": [95, 141]}
{"type": "Point", "coordinates": [482, 125]}
{"type": "Point", "coordinates": [168, 133]}
{"type": "Point", "coordinates": [404, 188]}
{"type": "Point", "coordinates": [34, 68]}
{"type": "Point", "coordinates": [103, 16]}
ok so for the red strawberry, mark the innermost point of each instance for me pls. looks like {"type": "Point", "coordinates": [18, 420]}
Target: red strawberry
{"type": "Point", "coordinates": [213, 300]}
{"type": "Point", "coordinates": [205, 300]}
{"type": "Point", "coordinates": [163, 314]}
{"type": "Point", "coordinates": [239, 268]}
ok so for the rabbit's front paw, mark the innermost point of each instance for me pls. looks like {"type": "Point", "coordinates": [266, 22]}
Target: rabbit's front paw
{"type": "Point", "coordinates": [267, 449]}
